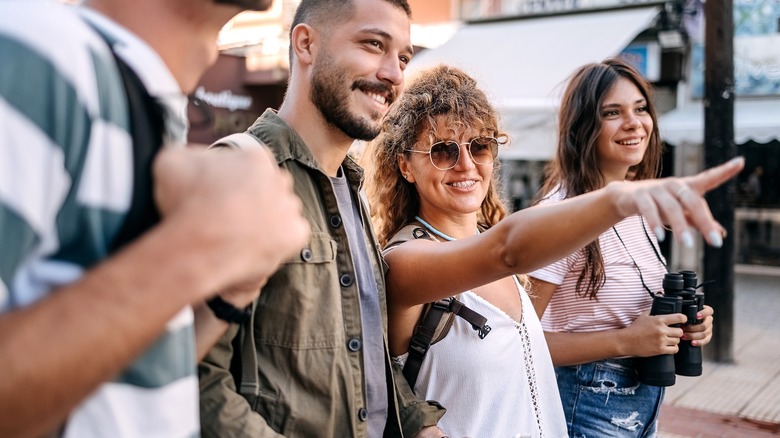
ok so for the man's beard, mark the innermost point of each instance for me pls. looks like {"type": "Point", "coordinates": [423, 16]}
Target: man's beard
{"type": "Point", "coordinates": [331, 98]}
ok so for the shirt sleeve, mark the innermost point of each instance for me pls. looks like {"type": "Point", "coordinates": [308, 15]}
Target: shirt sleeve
{"type": "Point", "coordinates": [553, 273]}
{"type": "Point", "coordinates": [38, 112]}
{"type": "Point", "coordinates": [65, 151]}
{"type": "Point", "coordinates": [414, 413]}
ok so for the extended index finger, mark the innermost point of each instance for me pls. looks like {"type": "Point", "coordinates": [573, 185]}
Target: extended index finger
{"type": "Point", "coordinates": [714, 177]}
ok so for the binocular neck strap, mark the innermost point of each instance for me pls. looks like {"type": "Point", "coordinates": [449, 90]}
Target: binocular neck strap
{"type": "Point", "coordinates": [655, 251]}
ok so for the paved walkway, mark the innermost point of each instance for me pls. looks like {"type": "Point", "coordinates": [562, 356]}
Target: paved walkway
{"type": "Point", "coordinates": [740, 399]}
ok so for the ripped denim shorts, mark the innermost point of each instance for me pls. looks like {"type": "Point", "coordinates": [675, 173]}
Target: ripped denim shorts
{"type": "Point", "coordinates": [605, 399]}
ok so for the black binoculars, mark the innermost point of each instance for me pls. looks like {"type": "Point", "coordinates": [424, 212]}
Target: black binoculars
{"type": "Point", "coordinates": [679, 296]}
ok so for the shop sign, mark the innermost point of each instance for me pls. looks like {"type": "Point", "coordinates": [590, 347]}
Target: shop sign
{"type": "Point", "coordinates": [756, 66]}
{"type": "Point", "coordinates": [646, 58]}
{"type": "Point", "coordinates": [224, 99]}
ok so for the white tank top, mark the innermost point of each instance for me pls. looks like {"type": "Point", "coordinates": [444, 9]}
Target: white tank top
{"type": "Point", "coordinates": [500, 386]}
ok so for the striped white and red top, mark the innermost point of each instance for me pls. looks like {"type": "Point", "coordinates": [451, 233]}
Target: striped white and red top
{"type": "Point", "coordinates": [622, 298]}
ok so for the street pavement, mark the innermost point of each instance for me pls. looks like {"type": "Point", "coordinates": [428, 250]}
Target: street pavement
{"type": "Point", "coordinates": [741, 399]}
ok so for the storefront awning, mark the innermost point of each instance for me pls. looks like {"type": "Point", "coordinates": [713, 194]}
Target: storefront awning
{"type": "Point", "coordinates": [757, 120]}
{"type": "Point", "coordinates": [523, 65]}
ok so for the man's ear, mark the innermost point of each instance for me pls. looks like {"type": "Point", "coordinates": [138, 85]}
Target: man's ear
{"type": "Point", "coordinates": [302, 40]}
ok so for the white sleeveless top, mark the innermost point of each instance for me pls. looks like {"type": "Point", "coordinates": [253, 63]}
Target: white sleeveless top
{"type": "Point", "coordinates": [500, 386]}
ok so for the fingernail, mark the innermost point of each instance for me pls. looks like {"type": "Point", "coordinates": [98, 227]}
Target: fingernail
{"type": "Point", "coordinates": [660, 234]}
{"type": "Point", "coordinates": [715, 239]}
{"type": "Point", "coordinates": [736, 160]}
{"type": "Point", "coordinates": [687, 239]}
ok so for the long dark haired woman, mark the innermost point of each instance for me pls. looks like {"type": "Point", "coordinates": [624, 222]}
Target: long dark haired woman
{"type": "Point", "coordinates": [595, 302]}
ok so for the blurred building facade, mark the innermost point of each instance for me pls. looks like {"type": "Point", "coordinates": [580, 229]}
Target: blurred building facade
{"type": "Point", "coordinates": [756, 123]}
{"type": "Point", "coordinates": [522, 52]}
{"type": "Point", "coordinates": [249, 76]}
{"type": "Point", "coordinates": [252, 70]}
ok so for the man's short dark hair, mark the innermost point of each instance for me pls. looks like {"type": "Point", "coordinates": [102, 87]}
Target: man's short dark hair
{"type": "Point", "coordinates": [325, 12]}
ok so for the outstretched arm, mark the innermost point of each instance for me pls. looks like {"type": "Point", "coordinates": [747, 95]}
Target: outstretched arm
{"type": "Point", "coordinates": [422, 271]}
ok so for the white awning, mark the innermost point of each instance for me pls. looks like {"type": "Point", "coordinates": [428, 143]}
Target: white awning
{"type": "Point", "coordinates": [523, 65]}
{"type": "Point", "coordinates": [757, 120]}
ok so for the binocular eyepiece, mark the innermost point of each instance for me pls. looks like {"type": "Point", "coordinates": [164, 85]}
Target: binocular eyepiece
{"type": "Point", "coordinates": [679, 296]}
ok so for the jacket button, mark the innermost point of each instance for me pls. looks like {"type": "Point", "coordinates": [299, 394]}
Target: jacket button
{"type": "Point", "coordinates": [346, 280]}
{"type": "Point", "coordinates": [362, 414]}
{"type": "Point", "coordinates": [335, 221]}
{"type": "Point", "coordinates": [306, 254]}
{"type": "Point", "coordinates": [354, 344]}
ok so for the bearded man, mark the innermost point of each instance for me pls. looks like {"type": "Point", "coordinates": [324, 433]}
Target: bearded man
{"type": "Point", "coordinates": [322, 365]}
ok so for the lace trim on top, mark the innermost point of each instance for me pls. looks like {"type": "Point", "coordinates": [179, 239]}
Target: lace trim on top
{"type": "Point", "coordinates": [530, 372]}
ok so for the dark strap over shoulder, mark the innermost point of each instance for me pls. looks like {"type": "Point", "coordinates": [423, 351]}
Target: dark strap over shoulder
{"type": "Point", "coordinates": [408, 232]}
{"type": "Point", "coordinates": [432, 326]}
{"type": "Point", "coordinates": [249, 383]}
{"type": "Point", "coordinates": [243, 367]}
{"type": "Point", "coordinates": [146, 130]}
{"type": "Point", "coordinates": [426, 329]}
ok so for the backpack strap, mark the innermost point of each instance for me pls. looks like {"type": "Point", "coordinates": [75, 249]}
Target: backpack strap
{"type": "Point", "coordinates": [408, 232]}
{"type": "Point", "coordinates": [147, 124]}
{"type": "Point", "coordinates": [422, 338]}
{"type": "Point", "coordinates": [436, 318]}
{"type": "Point", "coordinates": [244, 365]}
{"type": "Point", "coordinates": [248, 385]}
{"type": "Point", "coordinates": [477, 321]}
{"type": "Point", "coordinates": [240, 140]}
{"type": "Point", "coordinates": [425, 334]}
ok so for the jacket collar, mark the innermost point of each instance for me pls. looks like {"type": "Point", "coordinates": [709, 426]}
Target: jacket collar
{"type": "Point", "coordinates": [288, 145]}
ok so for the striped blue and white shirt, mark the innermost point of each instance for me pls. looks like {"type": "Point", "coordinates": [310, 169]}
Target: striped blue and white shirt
{"type": "Point", "coordinates": [66, 178]}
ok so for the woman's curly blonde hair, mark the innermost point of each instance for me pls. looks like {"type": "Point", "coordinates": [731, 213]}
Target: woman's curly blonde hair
{"type": "Point", "coordinates": [440, 91]}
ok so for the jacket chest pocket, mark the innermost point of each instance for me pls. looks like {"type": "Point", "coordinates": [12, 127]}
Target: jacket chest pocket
{"type": "Point", "coordinates": [300, 307]}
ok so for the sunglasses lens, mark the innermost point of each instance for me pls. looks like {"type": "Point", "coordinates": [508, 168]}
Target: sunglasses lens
{"type": "Point", "coordinates": [444, 155]}
{"type": "Point", "coordinates": [483, 150]}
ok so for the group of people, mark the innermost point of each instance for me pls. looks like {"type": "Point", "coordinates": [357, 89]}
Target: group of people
{"type": "Point", "coordinates": [255, 298]}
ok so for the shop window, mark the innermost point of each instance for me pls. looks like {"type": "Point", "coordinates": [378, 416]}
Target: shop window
{"type": "Point", "coordinates": [757, 213]}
